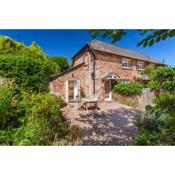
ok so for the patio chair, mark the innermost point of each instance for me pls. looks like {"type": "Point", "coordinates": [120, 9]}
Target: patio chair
{"type": "Point", "coordinates": [79, 102]}
{"type": "Point", "coordinates": [98, 100]}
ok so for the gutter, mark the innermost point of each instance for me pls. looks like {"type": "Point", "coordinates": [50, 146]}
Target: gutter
{"type": "Point", "coordinates": [94, 62]}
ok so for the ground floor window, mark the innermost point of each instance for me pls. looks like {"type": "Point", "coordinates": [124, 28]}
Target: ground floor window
{"type": "Point", "coordinates": [124, 81]}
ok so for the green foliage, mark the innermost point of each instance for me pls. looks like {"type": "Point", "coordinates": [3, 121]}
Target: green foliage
{"type": "Point", "coordinates": [9, 114]}
{"type": "Point", "coordinates": [10, 46]}
{"type": "Point", "coordinates": [61, 61]}
{"type": "Point", "coordinates": [166, 102]}
{"type": "Point", "coordinates": [158, 122]}
{"type": "Point", "coordinates": [145, 137]}
{"type": "Point", "coordinates": [28, 73]}
{"type": "Point", "coordinates": [8, 106]}
{"type": "Point", "coordinates": [161, 78]}
{"type": "Point", "coordinates": [115, 35]}
{"type": "Point", "coordinates": [33, 119]}
{"type": "Point", "coordinates": [153, 36]}
{"type": "Point", "coordinates": [129, 89]}
{"type": "Point", "coordinates": [29, 115]}
{"type": "Point", "coordinates": [41, 121]}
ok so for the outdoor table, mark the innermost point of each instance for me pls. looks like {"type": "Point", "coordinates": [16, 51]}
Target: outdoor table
{"type": "Point", "coordinates": [90, 101]}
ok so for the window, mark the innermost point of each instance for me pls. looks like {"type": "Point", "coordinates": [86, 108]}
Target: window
{"type": "Point", "coordinates": [124, 81]}
{"type": "Point", "coordinates": [140, 65]}
{"type": "Point", "coordinates": [126, 63]}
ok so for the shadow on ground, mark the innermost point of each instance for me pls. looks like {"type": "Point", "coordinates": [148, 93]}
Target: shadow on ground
{"type": "Point", "coordinates": [112, 127]}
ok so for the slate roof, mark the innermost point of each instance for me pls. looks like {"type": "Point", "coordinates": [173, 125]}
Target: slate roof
{"type": "Point", "coordinates": [110, 48]}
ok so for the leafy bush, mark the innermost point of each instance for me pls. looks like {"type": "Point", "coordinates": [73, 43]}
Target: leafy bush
{"type": "Point", "coordinates": [166, 102]}
{"type": "Point", "coordinates": [158, 121]}
{"type": "Point", "coordinates": [9, 114]}
{"type": "Point", "coordinates": [161, 78]}
{"type": "Point", "coordinates": [129, 89]}
{"type": "Point", "coordinates": [61, 61]}
{"type": "Point", "coordinates": [147, 121]}
{"type": "Point", "coordinates": [28, 73]}
{"type": "Point", "coordinates": [42, 119]}
{"type": "Point", "coordinates": [29, 115]}
{"type": "Point", "coordinates": [10, 46]}
{"type": "Point", "coordinates": [8, 106]}
{"type": "Point", "coordinates": [146, 137]}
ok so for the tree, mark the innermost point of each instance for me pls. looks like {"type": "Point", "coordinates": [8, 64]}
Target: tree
{"type": "Point", "coordinates": [10, 46]}
{"type": "Point", "coordinates": [29, 115]}
{"type": "Point", "coordinates": [162, 78]}
{"type": "Point", "coordinates": [28, 74]}
{"type": "Point", "coordinates": [61, 61]}
{"type": "Point", "coordinates": [28, 66]}
{"type": "Point", "coordinates": [153, 36]}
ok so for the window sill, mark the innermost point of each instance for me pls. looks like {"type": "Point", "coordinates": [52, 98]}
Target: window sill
{"type": "Point", "coordinates": [140, 69]}
{"type": "Point", "coordinates": [129, 68]}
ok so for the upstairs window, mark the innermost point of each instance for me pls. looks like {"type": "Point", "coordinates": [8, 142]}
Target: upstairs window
{"type": "Point", "coordinates": [126, 63]}
{"type": "Point", "coordinates": [140, 65]}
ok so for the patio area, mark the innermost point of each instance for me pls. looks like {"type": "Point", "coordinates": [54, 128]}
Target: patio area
{"type": "Point", "coordinates": [112, 124]}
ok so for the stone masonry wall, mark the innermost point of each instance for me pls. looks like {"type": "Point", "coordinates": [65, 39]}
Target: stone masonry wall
{"type": "Point", "coordinates": [82, 73]}
{"type": "Point", "coordinates": [106, 63]}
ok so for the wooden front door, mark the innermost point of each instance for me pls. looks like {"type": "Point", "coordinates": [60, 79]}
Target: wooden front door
{"type": "Point", "coordinates": [107, 87]}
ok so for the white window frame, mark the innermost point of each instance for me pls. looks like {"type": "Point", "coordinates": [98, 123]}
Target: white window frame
{"type": "Point", "coordinates": [124, 81]}
{"type": "Point", "coordinates": [126, 63]}
{"type": "Point", "coordinates": [140, 65]}
{"type": "Point", "coordinates": [76, 89]}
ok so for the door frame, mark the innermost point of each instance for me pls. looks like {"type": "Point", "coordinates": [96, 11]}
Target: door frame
{"type": "Point", "coordinates": [76, 89]}
{"type": "Point", "coordinates": [110, 93]}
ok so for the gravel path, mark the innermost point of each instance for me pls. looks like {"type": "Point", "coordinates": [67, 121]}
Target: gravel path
{"type": "Point", "coordinates": [113, 124]}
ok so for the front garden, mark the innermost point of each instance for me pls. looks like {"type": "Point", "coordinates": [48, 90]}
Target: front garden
{"type": "Point", "coordinates": [157, 123]}
{"type": "Point", "coordinates": [29, 114]}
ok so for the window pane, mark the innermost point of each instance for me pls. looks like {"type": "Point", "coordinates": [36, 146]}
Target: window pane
{"type": "Point", "coordinates": [126, 63]}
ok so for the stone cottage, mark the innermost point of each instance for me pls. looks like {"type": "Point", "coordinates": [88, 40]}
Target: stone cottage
{"type": "Point", "coordinates": [94, 69]}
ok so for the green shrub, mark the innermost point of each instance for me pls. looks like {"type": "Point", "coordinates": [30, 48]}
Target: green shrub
{"type": "Point", "coordinates": [158, 122]}
{"type": "Point", "coordinates": [166, 102]}
{"type": "Point", "coordinates": [146, 137]}
{"type": "Point", "coordinates": [10, 46]}
{"type": "Point", "coordinates": [161, 78]}
{"type": "Point", "coordinates": [28, 73]}
{"type": "Point", "coordinates": [42, 119]}
{"type": "Point", "coordinates": [61, 61]}
{"type": "Point", "coordinates": [8, 107]}
{"type": "Point", "coordinates": [129, 89]}
{"type": "Point", "coordinates": [147, 121]}
{"type": "Point", "coordinates": [10, 117]}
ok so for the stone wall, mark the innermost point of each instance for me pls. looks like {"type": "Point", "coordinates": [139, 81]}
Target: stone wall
{"type": "Point", "coordinates": [80, 72]}
{"type": "Point", "coordinates": [106, 63]}
{"type": "Point", "coordinates": [137, 101]}
{"type": "Point", "coordinates": [130, 101]}
{"type": "Point", "coordinates": [147, 97]}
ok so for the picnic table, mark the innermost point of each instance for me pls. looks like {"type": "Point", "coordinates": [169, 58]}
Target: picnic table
{"type": "Point", "coordinates": [88, 102]}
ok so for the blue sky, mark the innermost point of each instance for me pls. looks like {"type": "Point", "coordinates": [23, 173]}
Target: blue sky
{"type": "Point", "coordinates": [68, 42]}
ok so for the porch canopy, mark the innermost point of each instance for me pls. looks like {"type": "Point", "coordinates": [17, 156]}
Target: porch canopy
{"type": "Point", "coordinates": [111, 76]}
